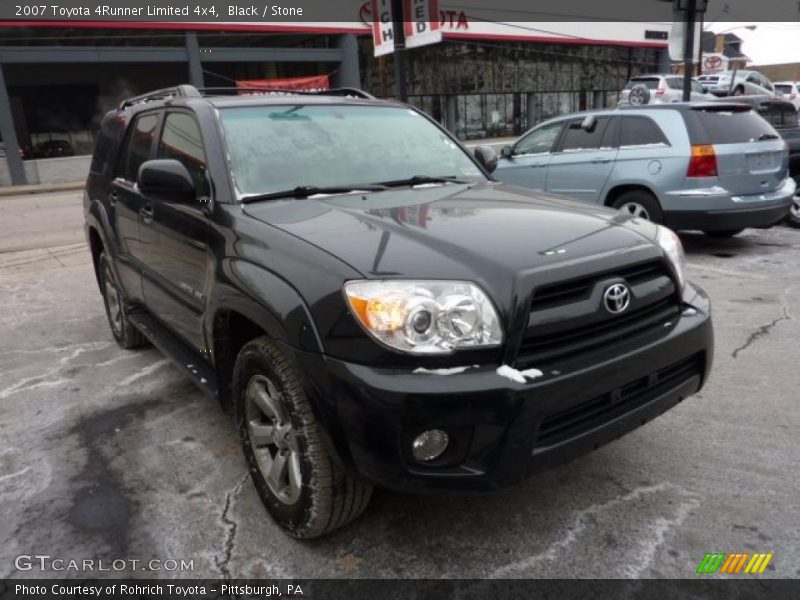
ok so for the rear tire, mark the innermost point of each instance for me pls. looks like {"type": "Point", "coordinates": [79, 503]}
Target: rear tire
{"type": "Point", "coordinates": [793, 218]}
{"type": "Point", "coordinates": [739, 91]}
{"type": "Point", "coordinates": [116, 305]}
{"type": "Point", "coordinates": [303, 488]}
{"type": "Point", "coordinates": [641, 204]}
{"type": "Point", "coordinates": [725, 234]}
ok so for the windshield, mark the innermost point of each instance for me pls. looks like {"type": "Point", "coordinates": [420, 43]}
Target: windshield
{"type": "Point", "coordinates": [275, 148]}
{"type": "Point", "coordinates": [783, 89]}
{"type": "Point", "coordinates": [650, 82]}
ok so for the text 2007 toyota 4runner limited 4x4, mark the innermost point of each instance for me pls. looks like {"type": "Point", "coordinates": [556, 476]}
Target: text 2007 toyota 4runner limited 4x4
{"type": "Point", "coordinates": [372, 307]}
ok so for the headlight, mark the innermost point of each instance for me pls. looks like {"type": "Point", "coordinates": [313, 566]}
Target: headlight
{"type": "Point", "coordinates": [671, 244]}
{"type": "Point", "coordinates": [425, 317]}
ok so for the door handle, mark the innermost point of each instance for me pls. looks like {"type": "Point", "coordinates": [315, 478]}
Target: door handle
{"type": "Point", "coordinates": [601, 161]}
{"type": "Point", "coordinates": [147, 213]}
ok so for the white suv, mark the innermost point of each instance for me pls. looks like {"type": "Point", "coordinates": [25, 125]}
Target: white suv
{"type": "Point", "coordinates": [790, 90]}
{"type": "Point", "coordinates": [659, 89]}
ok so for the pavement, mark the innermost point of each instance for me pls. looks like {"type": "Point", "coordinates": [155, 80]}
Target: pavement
{"type": "Point", "coordinates": [111, 454]}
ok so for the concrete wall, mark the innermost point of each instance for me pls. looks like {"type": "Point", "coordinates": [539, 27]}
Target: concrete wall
{"type": "Point", "coordinates": [50, 170]}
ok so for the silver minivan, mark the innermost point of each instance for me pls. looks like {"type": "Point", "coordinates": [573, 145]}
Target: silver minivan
{"type": "Point", "coordinates": [717, 167]}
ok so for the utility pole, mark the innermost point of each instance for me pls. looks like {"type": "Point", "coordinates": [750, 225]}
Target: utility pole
{"type": "Point", "coordinates": [401, 89]}
{"type": "Point", "coordinates": [688, 50]}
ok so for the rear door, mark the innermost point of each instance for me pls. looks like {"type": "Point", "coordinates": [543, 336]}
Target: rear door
{"type": "Point", "coordinates": [527, 166]}
{"type": "Point", "coordinates": [751, 156]}
{"type": "Point", "coordinates": [583, 160]}
{"type": "Point", "coordinates": [127, 202]}
{"type": "Point", "coordinates": [175, 236]}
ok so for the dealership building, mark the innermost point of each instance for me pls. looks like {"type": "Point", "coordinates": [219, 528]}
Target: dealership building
{"type": "Point", "coordinates": [482, 80]}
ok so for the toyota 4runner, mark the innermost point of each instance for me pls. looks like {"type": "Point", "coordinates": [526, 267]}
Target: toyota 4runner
{"type": "Point", "coordinates": [370, 305]}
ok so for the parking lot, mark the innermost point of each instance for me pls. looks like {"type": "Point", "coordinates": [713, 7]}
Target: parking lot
{"type": "Point", "coordinates": [110, 454]}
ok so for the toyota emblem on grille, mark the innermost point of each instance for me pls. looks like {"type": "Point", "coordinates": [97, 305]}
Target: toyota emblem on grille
{"type": "Point", "coordinates": [617, 298]}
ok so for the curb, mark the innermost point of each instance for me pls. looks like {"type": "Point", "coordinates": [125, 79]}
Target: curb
{"type": "Point", "coordinates": [40, 188]}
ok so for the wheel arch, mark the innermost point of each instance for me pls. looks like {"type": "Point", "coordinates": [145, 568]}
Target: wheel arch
{"type": "Point", "coordinates": [622, 188]}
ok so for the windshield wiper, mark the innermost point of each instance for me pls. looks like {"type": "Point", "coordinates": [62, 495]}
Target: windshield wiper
{"type": "Point", "coordinates": [304, 191]}
{"type": "Point", "coordinates": [768, 136]}
{"type": "Point", "coordinates": [421, 180]}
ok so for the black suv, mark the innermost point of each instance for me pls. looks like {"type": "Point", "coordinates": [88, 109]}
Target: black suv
{"type": "Point", "coordinates": [370, 305]}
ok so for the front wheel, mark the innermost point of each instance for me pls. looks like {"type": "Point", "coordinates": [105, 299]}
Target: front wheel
{"type": "Point", "coordinates": [641, 204]}
{"type": "Point", "coordinates": [303, 488]}
{"type": "Point", "coordinates": [793, 218]}
{"type": "Point", "coordinates": [739, 91]}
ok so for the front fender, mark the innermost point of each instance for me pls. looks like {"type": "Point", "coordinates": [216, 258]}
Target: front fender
{"type": "Point", "coordinates": [265, 299]}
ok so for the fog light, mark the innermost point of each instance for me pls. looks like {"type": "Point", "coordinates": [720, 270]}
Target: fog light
{"type": "Point", "coordinates": [429, 445]}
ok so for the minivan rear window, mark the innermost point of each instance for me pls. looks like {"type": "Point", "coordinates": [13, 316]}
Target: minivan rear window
{"type": "Point", "coordinates": [727, 125]}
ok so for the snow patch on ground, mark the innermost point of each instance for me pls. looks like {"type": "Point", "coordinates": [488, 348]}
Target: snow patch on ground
{"type": "Point", "coordinates": [517, 375]}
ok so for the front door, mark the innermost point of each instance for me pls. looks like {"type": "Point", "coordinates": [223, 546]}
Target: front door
{"type": "Point", "coordinates": [175, 237]}
{"type": "Point", "coordinates": [527, 165]}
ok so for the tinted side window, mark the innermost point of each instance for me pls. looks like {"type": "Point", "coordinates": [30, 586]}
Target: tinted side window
{"type": "Point", "coordinates": [539, 141]}
{"type": "Point", "coordinates": [136, 148]}
{"type": "Point", "coordinates": [181, 141]}
{"type": "Point", "coordinates": [577, 138]}
{"type": "Point", "coordinates": [640, 131]}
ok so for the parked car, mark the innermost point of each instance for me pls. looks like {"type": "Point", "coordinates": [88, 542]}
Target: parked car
{"type": "Point", "coordinates": [342, 275]}
{"type": "Point", "coordinates": [717, 166]}
{"type": "Point", "coordinates": [53, 149]}
{"type": "Point", "coordinates": [738, 83]}
{"type": "Point", "coordinates": [659, 89]}
{"type": "Point", "coordinates": [790, 90]}
{"type": "Point", "coordinates": [780, 113]}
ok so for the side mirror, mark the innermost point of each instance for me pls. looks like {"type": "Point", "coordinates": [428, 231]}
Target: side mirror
{"type": "Point", "coordinates": [487, 157]}
{"type": "Point", "coordinates": [589, 123]}
{"type": "Point", "coordinates": [507, 152]}
{"type": "Point", "coordinates": [166, 178]}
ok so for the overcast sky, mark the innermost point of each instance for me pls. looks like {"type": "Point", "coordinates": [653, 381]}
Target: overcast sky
{"type": "Point", "coordinates": [769, 43]}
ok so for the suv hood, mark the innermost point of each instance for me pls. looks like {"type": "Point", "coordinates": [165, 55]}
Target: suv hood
{"type": "Point", "coordinates": [455, 231]}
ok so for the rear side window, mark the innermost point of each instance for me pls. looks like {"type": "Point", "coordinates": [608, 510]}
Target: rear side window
{"type": "Point", "coordinates": [733, 126]}
{"type": "Point", "coordinates": [181, 140]}
{"type": "Point", "coordinates": [640, 131]}
{"type": "Point", "coordinates": [137, 147]}
{"type": "Point", "coordinates": [578, 138]}
{"type": "Point", "coordinates": [650, 82]}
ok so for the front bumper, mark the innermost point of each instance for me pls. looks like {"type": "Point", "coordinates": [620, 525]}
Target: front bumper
{"type": "Point", "coordinates": [715, 209]}
{"type": "Point", "coordinates": [502, 431]}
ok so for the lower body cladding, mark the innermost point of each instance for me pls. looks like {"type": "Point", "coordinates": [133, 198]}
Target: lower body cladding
{"type": "Point", "coordinates": [499, 431]}
{"type": "Point", "coordinates": [715, 209]}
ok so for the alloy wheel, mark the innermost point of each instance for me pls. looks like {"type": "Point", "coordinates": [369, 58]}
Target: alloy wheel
{"type": "Point", "coordinates": [113, 300]}
{"type": "Point", "coordinates": [273, 439]}
{"type": "Point", "coordinates": [635, 209]}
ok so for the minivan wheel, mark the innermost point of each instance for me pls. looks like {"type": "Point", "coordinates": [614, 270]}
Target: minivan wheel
{"type": "Point", "coordinates": [793, 218]}
{"type": "Point", "coordinates": [303, 488]}
{"type": "Point", "coordinates": [122, 329]}
{"type": "Point", "coordinates": [641, 204]}
{"type": "Point", "coordinates": [724, 234]}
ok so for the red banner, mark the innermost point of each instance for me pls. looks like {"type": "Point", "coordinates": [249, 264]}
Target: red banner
{"type": "Point", "coordinates": [313, 83]}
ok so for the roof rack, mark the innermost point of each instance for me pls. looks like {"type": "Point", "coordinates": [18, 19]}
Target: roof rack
{"type": "Point", "coordinates": [345, 91]}
{"type": "Point", "coordinates": [187, 91]}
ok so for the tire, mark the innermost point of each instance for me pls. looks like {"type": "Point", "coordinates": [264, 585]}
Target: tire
{"type": "Point", "coordinates": [793, 218]}
{"type": "Point", "coordinates": [640, 203]}
{"type": "Point", "coordinates": [309, 494]}
{"type": "Point", "coordinates": [739, 91]}
{"type": "Point", "coordinates": [639, 95]}
{"type": "Point", "coordinates": [724, 234]}
{"type": "Point", "coordinates": [123, 330]}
